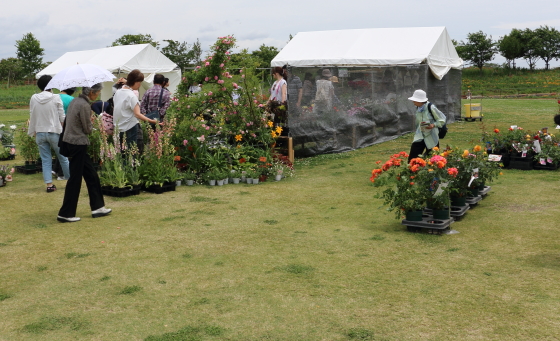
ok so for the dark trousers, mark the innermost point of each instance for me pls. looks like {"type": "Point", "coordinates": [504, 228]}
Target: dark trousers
{"type": "Point", "coordinates": [418, 148]}
{"type": "Point", "coordinates": [81, 166]}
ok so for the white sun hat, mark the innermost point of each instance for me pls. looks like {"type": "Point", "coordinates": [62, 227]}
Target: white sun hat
{"type": "Point", "coordinates": [419, 96]}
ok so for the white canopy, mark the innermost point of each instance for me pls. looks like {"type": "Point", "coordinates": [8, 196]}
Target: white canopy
{"type": "Point", "coordinates": [120, 60]}
{"type": "Point", "coordinates": [372, 47]}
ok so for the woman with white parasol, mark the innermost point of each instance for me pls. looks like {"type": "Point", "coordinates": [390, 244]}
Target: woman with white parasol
{"type": "Point", "coordinates": [74, 141]}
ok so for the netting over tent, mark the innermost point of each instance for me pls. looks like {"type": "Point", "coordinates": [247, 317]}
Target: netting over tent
{"type": "Point", "coordinates": [367, 104]}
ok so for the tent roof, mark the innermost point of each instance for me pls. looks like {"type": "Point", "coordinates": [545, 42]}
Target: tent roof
{"type": "Point", "coordinates": [126, 58]}
{"type": "Point", "coordinates": [373, 46]}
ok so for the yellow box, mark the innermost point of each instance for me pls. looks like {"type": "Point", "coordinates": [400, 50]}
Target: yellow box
{"type": "Point", "coordinates": [473, 110]}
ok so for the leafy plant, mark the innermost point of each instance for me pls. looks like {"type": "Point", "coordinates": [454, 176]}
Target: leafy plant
{"type": "Point", "coordinates": [28, 148]}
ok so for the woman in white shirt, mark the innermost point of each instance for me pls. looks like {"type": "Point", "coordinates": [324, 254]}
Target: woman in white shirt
{"type": "Point", "coordinates": [279, 89]}
{"type": "Point", "coordinates": [126, 112]}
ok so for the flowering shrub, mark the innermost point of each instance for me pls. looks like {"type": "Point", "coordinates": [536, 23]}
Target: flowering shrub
{"type": "Point", "coordinates": [226, 121]}
{"type": "Point", "coordinates": [7, 135]}
{"type": "Point", "coordinates": [158, 161]}
{"type": "Point", "coordinates": [119, 163]}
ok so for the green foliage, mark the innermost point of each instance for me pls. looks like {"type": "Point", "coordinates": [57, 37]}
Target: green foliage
{"type": "Point", "coordinates": [548, 46]}
{"type": "Point", "coordinates": [52, 323]}
{"type": "Point", "coordinates": [129, 290]}
{"type": "Point", "coordinates": [30, 53]}
{"type": "Point", "coordinates": [135, 39]}
{"type": "Point", "coordinates": [182, 54]}
{"type": "Point", "coordinates": [510, 46]}
{"type": "Point", "coordinates": [478, 50]}
{"type": "Point", "coordinates": [158, 160]}
{"type": "Point", "coordinates": [11, 69]}
{"type": "Point", "coordinates": [188, 333]}
{"type": "Point", "coordinates": [27, 147]}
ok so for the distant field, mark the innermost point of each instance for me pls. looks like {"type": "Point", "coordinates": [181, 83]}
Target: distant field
{"type": "Point", "coordinates": [16, 96]}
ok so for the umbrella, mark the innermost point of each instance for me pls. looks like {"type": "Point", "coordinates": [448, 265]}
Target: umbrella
{"type": "Point", "coordinates": [80, 75]}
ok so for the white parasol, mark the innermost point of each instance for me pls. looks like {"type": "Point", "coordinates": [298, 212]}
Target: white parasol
{"type": "Point", "coordinates": [80, 75]}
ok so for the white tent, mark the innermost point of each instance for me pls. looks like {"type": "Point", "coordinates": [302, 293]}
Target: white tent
{"type": "Point", "coordinates": [120, 60]}
{"type": "Point", "coordinates": [373, 47]}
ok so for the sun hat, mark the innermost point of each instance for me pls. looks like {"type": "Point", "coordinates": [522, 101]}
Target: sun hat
{"type": "Point", "coordinates": [327, 73]}
{"type": "Point", "coordinates": [419, 96]}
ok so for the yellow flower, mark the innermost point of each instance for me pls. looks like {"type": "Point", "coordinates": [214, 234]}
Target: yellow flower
{"type": "Point", "coordinates": [430, 170]}
{"type": "Point", "coordinates": [273, 134]}
{"type": "Point", "coordinates": [270, 124]}
{"type": "Point", "coordinates": [435, 149]}
{"type": "Point", "coordinates": [465, 153]}
{"type": "Point", "coordinates": [477, 148]}
{"type": "Point", "coordinates": [279, 130]}
{"type": "Point", "coordinates": [238, 137]}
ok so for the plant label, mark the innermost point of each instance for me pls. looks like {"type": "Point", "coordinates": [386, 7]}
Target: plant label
{"type": "Point", "coordinates": [549, 159]}
{"type": "Point", "coordinates": [542, 161]}
{"type": "Point", "coordinates": [524, 154]}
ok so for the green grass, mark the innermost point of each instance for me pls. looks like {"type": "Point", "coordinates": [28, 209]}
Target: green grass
{"type": "Point", "coordinates": [315, 257]}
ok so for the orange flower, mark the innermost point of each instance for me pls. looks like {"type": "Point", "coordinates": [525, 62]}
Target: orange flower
{"type": "Point", "coordinates": [496, 130]}
{"type": "Point", "coordinates": [466, 153]}
{"type": "Point", "coordinates": [262, 159]}
{"type": "Point", "coordinates": [440, 164]}
{"type": "Point", "coordinates": [435, 149]}
{"type": "Point", "coordinates": [477, 148]}
{"type": "Point", "coordinates": [412, 183]}
{"type": "Point", "coordinates": [414, 168]}
{"type": "Point", "coordinates": [177, 158]}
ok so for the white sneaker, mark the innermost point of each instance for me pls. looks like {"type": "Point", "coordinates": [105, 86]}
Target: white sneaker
{"type": "Point", "coordinates": [53, 172]}
{"type": "Point", "coordinates": [101, 212]}
{"type": "Point", "coordinates": [60, 178]}
{"type": "Point", "coordinates": [67, 220]}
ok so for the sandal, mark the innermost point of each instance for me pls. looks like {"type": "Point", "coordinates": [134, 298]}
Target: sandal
{"type": "Point", "coordinates": [51, 188]}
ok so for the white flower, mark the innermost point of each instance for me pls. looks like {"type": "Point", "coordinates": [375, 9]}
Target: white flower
{"type": "Point", "coordinates": [13, 127]}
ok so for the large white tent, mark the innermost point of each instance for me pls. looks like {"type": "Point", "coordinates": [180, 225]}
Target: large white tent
{"type": "Point", "coordinates": [120, 60]}
{"type": "Point", "coordinates": [373, 47]}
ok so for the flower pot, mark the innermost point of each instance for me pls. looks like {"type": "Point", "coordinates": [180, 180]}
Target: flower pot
{"type": "Point", "coordinates": [481, 186]}
{"type": "Point", "coordinates": [458, 201]}
{"type": "Point", "coordinates": [220, 182]}
{"type": "Point", "coordinates": [190, 182]}
{"type": "Point", "coordinates": [235, 180]}
{"type": "Point", "coordinates": [441, 214]}
{"type": "Point", "coordinates": [278, 177]}
{"type": "Point", "coordinates": [1, 182]}
{"type": "Point", "coordinates": [243, 178]}
{"type": "Point", "coordinates": [30, 165]}
{"type": "Point", "coordinates": [474, 191]}
{"type": "Point", "coordinates": [212, 182]}
{"type": "Point", "coordinates": [262, 178]}
{"type": "Point", "coordinates": [413, 215]}
{"type": "Point", "coordinates": [178, 183]}
{"type": "Point", "coordinates": [226, 181]}
{"type": "Point", "coordinates": [249, 180]}
{"type": "Point", "coordinates": [255, 181]}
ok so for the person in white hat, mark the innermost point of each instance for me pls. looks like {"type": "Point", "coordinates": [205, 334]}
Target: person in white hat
{"type": "Point", "coordinates": [428, 123]}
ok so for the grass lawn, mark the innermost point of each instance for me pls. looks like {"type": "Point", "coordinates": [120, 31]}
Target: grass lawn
{"type": "Point", "coordinates": [313, 257]}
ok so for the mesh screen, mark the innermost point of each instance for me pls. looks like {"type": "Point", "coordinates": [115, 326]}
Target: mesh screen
{"type": "Point", "coordinates": [348, 108]}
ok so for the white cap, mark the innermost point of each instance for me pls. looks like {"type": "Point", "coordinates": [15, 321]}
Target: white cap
{"type": "Point", "coordinates": [419, 96]}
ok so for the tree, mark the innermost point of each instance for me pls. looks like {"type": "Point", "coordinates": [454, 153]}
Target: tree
{"type": "Point", "coordinates": [135, 39]}
{"type": "Point", "coordinates": [511, 47]}
{"type": "Point", "coordinates": [265, 54]}
{"type": "Point", "coordinates": [548, 47]}
{"type": "Point", "coordinates": [30, 54]}
{"type": "Point", "coordinates": [479, 49]}
{"type": "Point", "coordinates": [182, 54]}
{"type": "Point", "coordinates": [531, 44]}
{"type": "Point", "coordinates": [11, 69]}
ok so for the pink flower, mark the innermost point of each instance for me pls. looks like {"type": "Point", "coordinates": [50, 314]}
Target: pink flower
{"type": "Point", "coordinates": [185, 142]}
{"type": "Point", "coordinates": [207, 63]}
{"type": "Point", "coordinates": [242, 76]}
{"type": "Point", "coordinates": [207, 128]}
{"type": "Point", "coordinates": [255, 101]}
{"type": "Point", "coordinates": [221, 81]}
{"type": "Point", "coordinates": [206, 79]}
{"type": "Point", "coordinates": [215, 77]}
{"type": "Point", "coordinates": [235, 103]}
{"type": "Point", "coordinates": [210, 93]}
{"type": "Point", "coordinates": [248, 125]}
{"type": "Point", "coordinates": [12, 171]}
{"type": "Point", "coordinates": [201, 139]}
{"type": "Point", "coordinates": [198, 66]}
{"type": "Point", "coordinates": [235, 85]}
{"type": "Point", "coordinates": [222, 65]}
{"type": "Point", "coordinates": [227, 52]}
{"type": "Point", "coordinates": [224, 89]}
{"type": "Point", "coordinates": [183, 79]}
{"type": "Point", "coordinates": [260, 105]}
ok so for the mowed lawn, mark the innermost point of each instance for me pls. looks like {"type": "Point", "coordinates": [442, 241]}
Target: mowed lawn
{"type": "Point", "coordinates": [314, 257]}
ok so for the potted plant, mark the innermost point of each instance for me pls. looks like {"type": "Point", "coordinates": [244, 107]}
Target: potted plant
{"type": "Point", "coordinates": [5, 174]}
{"type": "Point", "coordinates": [249, 175]}
{"type": "Point", "coordinates": [28, 148]}
{"type": "Point", "coordinates": [190, 178]}
{"type": "Point", "coordinates": [256, 176]}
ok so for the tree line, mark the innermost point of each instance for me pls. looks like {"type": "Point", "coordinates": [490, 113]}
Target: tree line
{"type": "Point", "coordinates": [542, 43]}
{"type": "Point", "coordinates": [29, 55]}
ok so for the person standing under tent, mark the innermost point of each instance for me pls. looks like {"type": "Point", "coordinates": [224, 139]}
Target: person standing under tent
{"type": "Point", "coordinates": [46, 112]}
{"type": "Point", "coordinates": [156, 100]}
{"type": "Point", "coordinates": [325, 93]}
{"type": "Point", "coordinates": [428, 121]}
{"type": "Point", "coordinates": [126, 112]}
{"type": "Point", "coordinates": [76, 141]}
{"type": "Point", "coordinates": [278, 96]}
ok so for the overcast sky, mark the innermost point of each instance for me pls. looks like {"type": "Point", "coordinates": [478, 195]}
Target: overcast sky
{"type": "Point", "coordinates": [63, 26]}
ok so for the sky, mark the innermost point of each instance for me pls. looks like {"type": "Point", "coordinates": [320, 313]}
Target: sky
{"type": "Point", "coordinates": [64, 26]}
